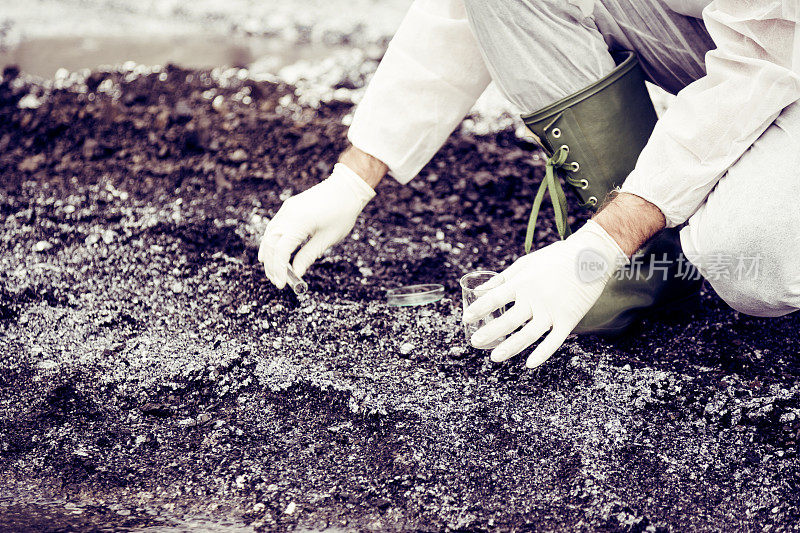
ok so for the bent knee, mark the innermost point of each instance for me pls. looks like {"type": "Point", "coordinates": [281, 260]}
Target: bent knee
{"type": "Point", "coordinates": [752, 215]}
{"type": "Point", "coordinates": [767, 297]}
{"type": "Point", "coordinates": [755, 276]}
{"type": "Point", "coordinates": [762, 282]}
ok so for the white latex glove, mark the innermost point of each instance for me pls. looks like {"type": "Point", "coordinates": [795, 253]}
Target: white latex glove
{"type": "Point", "coordinates": [553, 287]}
{"type": "Point", "coordinates": [323, 214]}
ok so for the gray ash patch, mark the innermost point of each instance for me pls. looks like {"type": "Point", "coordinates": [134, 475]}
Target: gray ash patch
{"type": "Point", "coordinates": [148, 367]}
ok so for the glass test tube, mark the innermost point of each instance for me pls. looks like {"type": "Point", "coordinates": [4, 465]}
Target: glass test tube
{"type": "Point", "coordinates": [298, 285]}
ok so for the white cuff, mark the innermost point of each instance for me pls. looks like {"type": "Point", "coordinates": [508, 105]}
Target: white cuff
{"type": "Point", "coordinates": [637, 184]}
{"type": "Point", "coordinates": [431, 75]}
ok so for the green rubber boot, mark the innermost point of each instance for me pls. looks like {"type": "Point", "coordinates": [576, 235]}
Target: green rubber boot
{"type": "Point", "coordinates": [593, 139]}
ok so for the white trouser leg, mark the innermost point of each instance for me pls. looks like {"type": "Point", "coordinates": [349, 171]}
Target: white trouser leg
{"type": "Point", "coordinates": [539, 51]}
{"type": "Point", "coordinates": [671, 46]}
{"type": "Point", "coordinates": [745, 239]}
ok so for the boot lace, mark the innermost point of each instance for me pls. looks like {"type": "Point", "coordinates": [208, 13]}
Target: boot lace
{"type": "Point", "coordinates": [552, 185]}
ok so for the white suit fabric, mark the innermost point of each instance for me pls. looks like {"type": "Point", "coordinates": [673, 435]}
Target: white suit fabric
{"type": "Point", "coordinates": [722, 157]}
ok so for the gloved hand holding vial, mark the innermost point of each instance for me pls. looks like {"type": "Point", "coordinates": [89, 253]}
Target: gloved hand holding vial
{"type": "Point", "coordinates": [322, 215]}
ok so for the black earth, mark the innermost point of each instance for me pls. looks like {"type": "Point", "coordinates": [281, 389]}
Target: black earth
{"type": "Point", "coordinates": [151, 376]}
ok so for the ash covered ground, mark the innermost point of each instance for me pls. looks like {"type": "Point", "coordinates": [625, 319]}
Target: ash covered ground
{"type": "Point", "coordinates": [150, 375]}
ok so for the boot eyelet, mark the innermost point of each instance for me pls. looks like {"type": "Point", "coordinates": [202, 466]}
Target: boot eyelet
{"type": "Point", "coordinates": [584, 184]}
{"type": "Point", "coordinates": [592, 200]}
{"type": "Point", "coordinates": [556, 133]}
{"type": "Point", "coordinates": [576, 167]}
{"type": "Point", "coordinates": [565, 148]}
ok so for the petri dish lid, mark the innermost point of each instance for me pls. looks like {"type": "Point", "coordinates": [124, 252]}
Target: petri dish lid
{"type": "Point", "coordinates": [415, 295]}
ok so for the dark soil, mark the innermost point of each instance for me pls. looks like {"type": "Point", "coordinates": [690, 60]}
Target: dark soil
{"type": "Point", "coordinates": [150, 374]}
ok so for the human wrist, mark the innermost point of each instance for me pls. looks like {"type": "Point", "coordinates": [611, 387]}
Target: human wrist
{"type": "Point", "coordinates": [367, 167]}
{"type": "Point", "coordinates": [599, 255]}
{"type": "Point", "coordinates": [630, 220]}
{"type": "Point", "coordinates": [345, 178]}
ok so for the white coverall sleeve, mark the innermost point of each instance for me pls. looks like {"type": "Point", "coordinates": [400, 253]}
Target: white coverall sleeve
{"type": "Point", "coordinates": [751, 76]}
{"type": "Point", "coordinates": [428, 80]}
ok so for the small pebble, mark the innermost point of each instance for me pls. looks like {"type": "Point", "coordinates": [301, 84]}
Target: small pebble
{"type": "Point", "coordinates": [457, 351]}
{"type": "Point", "coordinates": [406, 348]}
{"type": "Point", "coordinates": [218, 103]}
{"type": "Point", "coordinates": [42, 246]}
{"type": "Point", "coordinates": [81, 452]}
{"type": "Point", "coordinates": [291, 508]}
{"type": "Point", "coordinates": [238, 156]}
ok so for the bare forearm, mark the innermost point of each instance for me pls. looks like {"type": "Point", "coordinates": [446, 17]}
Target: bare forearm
{"type": "Point", "coordinates": [630, 220]}
{"type": "Point", "coordinates": [369, 168]}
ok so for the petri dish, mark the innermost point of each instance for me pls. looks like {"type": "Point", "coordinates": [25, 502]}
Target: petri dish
{"type": "Point", "coordinates": [415, 295]}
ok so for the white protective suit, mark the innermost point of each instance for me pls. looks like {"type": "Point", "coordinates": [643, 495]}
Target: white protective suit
{"type": "Point", "coordinates": [720, 134]}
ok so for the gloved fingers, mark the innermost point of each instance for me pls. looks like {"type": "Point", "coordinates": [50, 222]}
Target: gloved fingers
{"type": "Point", "coordinates": [515, 268]}
{"type": "Point", "coordinates": [494, 299]}
{"type": "Point", "coordinates": [547, 347]}
{"type": "Point", "coordinates": [262, 249]}
{"type": "Point", "coordinates": [517, 342]}
{"type": "Point", "coordinates": [274, 228]}
{"type": "Point", "coordinates": [501, 326]}
{"type": "Point", "coordinates": [272, 234]}
{"type": "Point", "coordinates": [280, 259]}
{"type": "Point", "coordinates": [309, 253]}
{"type": "Point", "coordinates": [495, 281]}
{"type": "Point", "coordinates": [265, 254]}
{"type": "Point", "coordinates": [268, 241]}
{"type": "Point", "coordinates": [267, 246]}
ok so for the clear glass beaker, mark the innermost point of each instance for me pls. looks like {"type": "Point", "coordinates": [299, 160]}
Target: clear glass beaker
{"type": "Point", "coordinates": [469, 294]}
